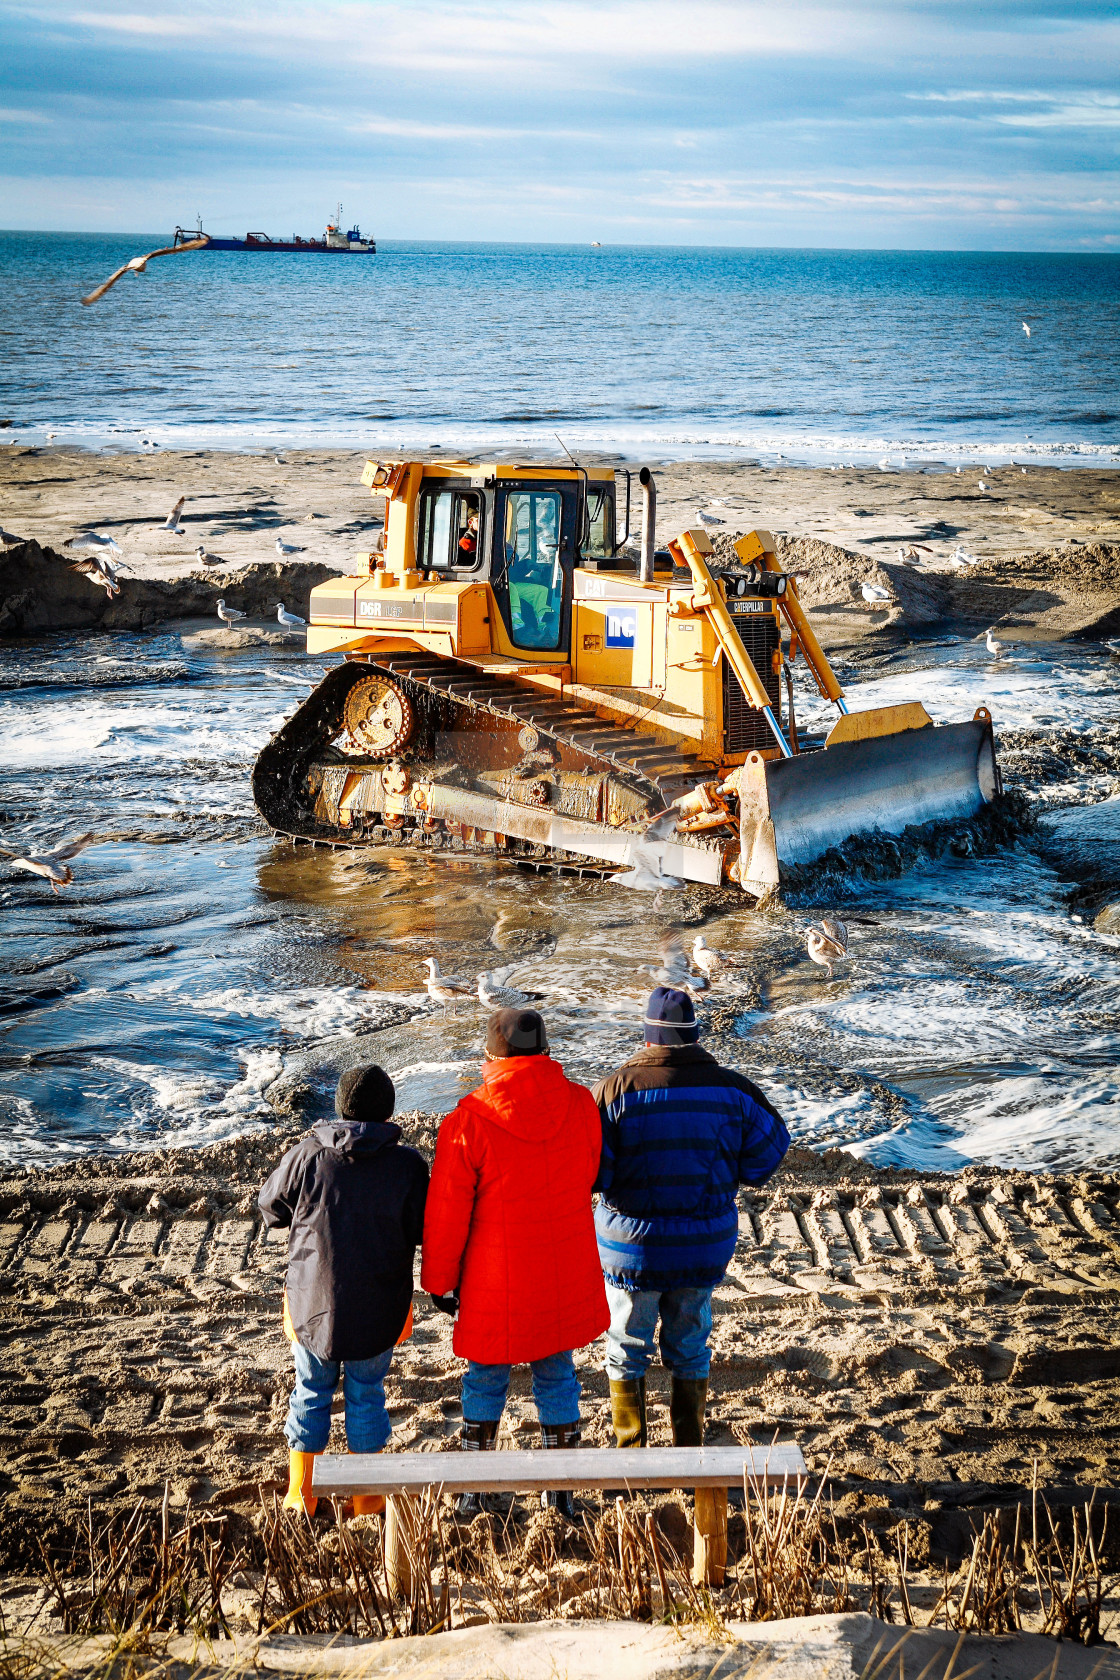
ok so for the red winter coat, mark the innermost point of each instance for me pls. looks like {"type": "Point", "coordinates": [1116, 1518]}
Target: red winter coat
{"type": "Point", "coordinates": [508, 1220]}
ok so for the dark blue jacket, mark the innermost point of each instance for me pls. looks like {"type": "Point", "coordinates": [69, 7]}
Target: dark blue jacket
{"type": "Point", "coordinates": [680, 1134]}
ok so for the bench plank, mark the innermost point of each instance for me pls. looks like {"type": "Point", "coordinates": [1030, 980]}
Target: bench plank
{"type": "Point", "coordinates": [532, 1472]}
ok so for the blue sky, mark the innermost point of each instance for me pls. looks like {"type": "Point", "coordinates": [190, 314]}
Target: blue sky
{"type": "Point", "coordinates": [919, 123]}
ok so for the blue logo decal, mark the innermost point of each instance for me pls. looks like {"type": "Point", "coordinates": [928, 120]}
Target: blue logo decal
{"type": "Point", "coordinates": [621, 623]}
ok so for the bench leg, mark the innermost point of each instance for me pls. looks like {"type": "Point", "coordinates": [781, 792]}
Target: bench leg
{"type": "Point", "coordinates": [402, 1530]}
{"type": "Point", "coordinates": [709, 1546]}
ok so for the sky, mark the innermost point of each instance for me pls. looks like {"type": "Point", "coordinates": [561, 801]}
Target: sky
{"type": "Point", "coordinates": [928, 124]}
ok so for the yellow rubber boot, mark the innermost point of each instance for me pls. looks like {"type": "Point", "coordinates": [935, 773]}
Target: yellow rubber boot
{"type": "Point", "coordinates": [628, 1411]}
{"type": "Point", "coordinates": [299, 1496]}
{"type": "Point", "coordinates": [368, 1505]}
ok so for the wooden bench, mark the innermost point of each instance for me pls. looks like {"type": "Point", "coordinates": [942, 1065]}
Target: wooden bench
{"type": "Point", "coordinates": [710, 1471]}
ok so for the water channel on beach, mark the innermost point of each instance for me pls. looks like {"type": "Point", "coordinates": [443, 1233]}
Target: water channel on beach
{"type": "Point", "coordinates": [197, 964]}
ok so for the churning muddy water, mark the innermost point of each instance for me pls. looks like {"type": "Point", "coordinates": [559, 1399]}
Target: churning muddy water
{"type": "Point", "coordinates": [200, 978]}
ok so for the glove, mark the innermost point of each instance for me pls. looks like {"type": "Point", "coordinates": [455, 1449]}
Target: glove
{"type": "Point", "coordinates": [448, 1304]}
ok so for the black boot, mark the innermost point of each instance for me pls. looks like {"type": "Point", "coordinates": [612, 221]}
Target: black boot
{"type": "Point", "coordinates": [476, 1437]}
{"type": "Point", "coordinates": [560, 1435]}
{"type": "Point", "coordinates": [687, 1400]}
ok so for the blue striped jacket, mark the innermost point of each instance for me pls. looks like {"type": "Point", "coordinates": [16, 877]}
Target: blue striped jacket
{"type": "Point", "coordinates": [680, 1134]}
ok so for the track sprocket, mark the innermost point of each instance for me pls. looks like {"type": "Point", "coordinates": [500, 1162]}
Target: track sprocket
{"type": "Point", "coordinates": [378, 718]}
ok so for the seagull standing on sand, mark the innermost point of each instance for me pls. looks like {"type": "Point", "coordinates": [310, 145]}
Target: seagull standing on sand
{"type": "Point", "coordinates": [709, 962]}
{"type": "Point", "coordinates": [444, 988]}
{"type": "Point", "coordinates": [99, 569]}
{"type": "Point", "coordinates": [9, 537]}
{"type": "Point", "coordinates": [826, 943]}
{"type": "Point", "coordinates": [290, 621]}
{"type": "Point", "coordinates": [287, 548]}
{"type": "Point", "coordinates": [137, 265]}
{"type": "Point", "coordinates": [962, 557]}
{"type": "Point", "coordinates": [205, 559]}
{"type": "Point", "coordinates": [707, 518]}
{"type": "Point", "coordinates": [52, 865]}
{"type": "Point", "coordinates": [496, 996]}
{"type": "Point", "coordinates": [171, 523]}
{"type": "Point", "coordinates": [228, 615]}
{"type": "Point", "coordinates": [874, 594]}
{"type": "Point", "coordinates": [981, 485]}
{"type": "Point", "coordinates": [91, 542]}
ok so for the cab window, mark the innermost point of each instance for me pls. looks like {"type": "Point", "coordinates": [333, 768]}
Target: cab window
{"type": "Point", "coordinates": [449, 531]}
{"type": "Point", "coordinates": [534, 574]}
{"type": "Point", "coordinates": [600, 532]}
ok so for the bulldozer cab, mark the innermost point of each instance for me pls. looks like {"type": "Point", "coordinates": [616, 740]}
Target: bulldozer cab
{"type": "Point", "coordinates": [524, 538]}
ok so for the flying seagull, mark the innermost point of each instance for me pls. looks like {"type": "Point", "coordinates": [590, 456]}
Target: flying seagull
{"type": "Point", "coordinates": [171, 523]}
{"type": "Point", "coordinates": [91, 542]}
{"type": "Point", "coordinates": [137, 265]}
{"type": "Point", "coordinates": [827, 943]}
{"type": "Point", "coordinates": [290, 621]}
{"type": "Point", "coordinates": [228, 615]}
{"type": "Point", "coordinates": [1026, 329]}
{"type": "Point", "coordinates": [287, 548]}
{"type": "Point", "coordinates": [646, 875]}
{"type": "Point", "coordinates": [53, 865]}
{"type": "Point", "coordinates": [99, 569]}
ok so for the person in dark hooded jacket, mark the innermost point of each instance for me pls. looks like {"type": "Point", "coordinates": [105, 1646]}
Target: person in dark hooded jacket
{"type": "Point", "coordinates": [352, 1196]}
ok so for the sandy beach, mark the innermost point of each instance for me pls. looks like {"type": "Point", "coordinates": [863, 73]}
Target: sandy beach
{"type": "Point", "coordinates": [1045, 540]}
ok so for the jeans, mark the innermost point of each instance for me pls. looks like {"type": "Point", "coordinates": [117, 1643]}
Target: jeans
{"type": "Point", "coordinates": [686, 1324]}
{"type": "Point", "coordinates": [556, 1390]}
{"type": "Point", "coordinates": [308, 1425]}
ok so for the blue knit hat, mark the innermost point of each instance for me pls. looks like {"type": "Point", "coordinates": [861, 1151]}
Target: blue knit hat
{"type": "Point", "coordinates": [670, 1017]}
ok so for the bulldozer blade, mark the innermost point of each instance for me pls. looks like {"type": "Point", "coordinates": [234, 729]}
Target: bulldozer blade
{"type": "Point", "coordinates": [817, 800]}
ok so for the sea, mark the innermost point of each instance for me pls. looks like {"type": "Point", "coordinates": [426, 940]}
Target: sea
{"type": "Point", "coordinates": [201, 978]}
{"type": "Point", "coordinates": [807, 356]}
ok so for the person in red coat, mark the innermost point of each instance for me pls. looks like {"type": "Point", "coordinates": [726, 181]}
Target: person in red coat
{"type": "Point", "coordinates": [509, 1237]}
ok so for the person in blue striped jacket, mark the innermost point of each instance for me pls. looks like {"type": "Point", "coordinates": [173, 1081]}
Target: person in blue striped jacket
{"type": "Point", "coordinates": [680, 1134]}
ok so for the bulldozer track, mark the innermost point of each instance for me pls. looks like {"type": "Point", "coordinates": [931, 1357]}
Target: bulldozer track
{"type": "Point", "coordinates": [622, 748]}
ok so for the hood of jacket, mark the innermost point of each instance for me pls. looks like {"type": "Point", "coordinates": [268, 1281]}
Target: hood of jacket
{"type": "Point", "coordinates": [356, 1137]}
{"type": "Point", "coordinates": [525, 1095]}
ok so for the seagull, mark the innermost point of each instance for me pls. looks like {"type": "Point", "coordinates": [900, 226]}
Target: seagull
{"type": "Point", "coordinates": [826, 943]}
{"type": "Point", "coordinates": [205, 559]}
{"type": "Point", "coordinates": [497, 996]}
{"type": "Point", "coordinates": [91, 542]}
{"type": "Point", "coordinates": [962, 557]}
{"type": "Point", "coordinates": [675, 970]}
{"type": "Point", "coordinates": [645, 874]}
{"type": "Point", "coordinates": [9, 537]}
{"type": "Point", "coordinates": [171, 523]}
{"type": "Point", "coordinates": [280, 461]}
{"type": "Point", "coordinates": [1026, 329]}
{"type": "Point", "coordinates": [709, 962]}
{"type": "Point", "coordinates": [137, 265]}
{"type": "Point", "coordinates": [874, 593]}
{"type": "Point", "coordinates": [994, 648]}
{"type": "Point", "coordinates": [707, 518]}
{"type": "Point", "coordinates": [981, 485]}
{"type": "Point", "coordinates": [53, 866]}
{"type": "Point", "coordinates": [287, 548]}
{"type": "Point", "coordinates": [290, 621]}
{"type": "Point", "coordinates": [228, 615]}
{"type": "Point", "coordinates": [99, 569]}
{"type": "Point", "coordinates": [444, 988]}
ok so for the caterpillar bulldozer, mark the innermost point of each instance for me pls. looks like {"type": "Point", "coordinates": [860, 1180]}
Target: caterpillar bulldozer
{"type": "Point", "coordinates": [511, 677]}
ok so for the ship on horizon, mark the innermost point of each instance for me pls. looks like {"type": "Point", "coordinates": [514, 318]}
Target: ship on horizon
{"type": "Point", "coordinates": [334, 240]}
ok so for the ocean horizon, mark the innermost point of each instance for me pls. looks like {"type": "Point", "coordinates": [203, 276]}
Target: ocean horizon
{"type": "Point", "coordinates": [814, 356]}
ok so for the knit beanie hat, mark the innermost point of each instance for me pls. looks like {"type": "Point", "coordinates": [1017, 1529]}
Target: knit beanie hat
{"type": "Point", "coordinates": [670, 1017]}
{"type": "Point", "coordinates": [365, 1093]}
{"type": "Point", "coordinates": [515, 1032]}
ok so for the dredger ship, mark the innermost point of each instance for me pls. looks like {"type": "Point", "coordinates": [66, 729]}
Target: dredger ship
{"type": "Point", "coordinates": [511, 678]}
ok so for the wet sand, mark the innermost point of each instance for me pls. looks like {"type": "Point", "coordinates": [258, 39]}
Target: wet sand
{"type": "Point", "coordinates": [1047, 541]}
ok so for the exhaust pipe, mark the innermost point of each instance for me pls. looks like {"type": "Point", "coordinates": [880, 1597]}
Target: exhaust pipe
{"type": "Point", "coordinates": [649, 524]}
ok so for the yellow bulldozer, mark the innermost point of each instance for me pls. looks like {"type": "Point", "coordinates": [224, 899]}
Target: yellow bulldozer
{"type": "Point", "coordinates": [513, 678]}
